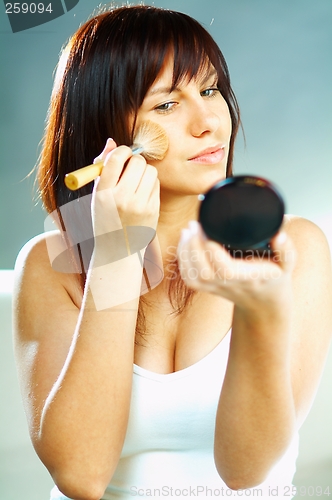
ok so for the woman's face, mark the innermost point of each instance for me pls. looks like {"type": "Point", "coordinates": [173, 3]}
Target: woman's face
{"type": "Point", "coordinates": [197, 122]}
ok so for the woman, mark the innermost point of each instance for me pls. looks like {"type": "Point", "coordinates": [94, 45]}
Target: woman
{"type": "Point", "coordinates": [226, 360]}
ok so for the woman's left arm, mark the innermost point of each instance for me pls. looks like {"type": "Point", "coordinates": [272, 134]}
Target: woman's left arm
{"type": "Point", "coordinates": [281, 332]}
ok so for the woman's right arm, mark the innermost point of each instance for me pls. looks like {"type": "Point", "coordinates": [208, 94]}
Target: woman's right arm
{"type": "Point", "coordinates": [75, 363]}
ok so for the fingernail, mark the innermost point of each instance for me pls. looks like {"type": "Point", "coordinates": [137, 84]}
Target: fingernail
{"type": "Point", "coordinates": [282, 237]}
{"type": "Point", "coordinates": [193, 226]}
{"type": "Point", "coordinates": [184, 236]}
{"type": "Point", "coordinates": [110, 143]}
{"type": "Point", "coordinates": [97, 160]}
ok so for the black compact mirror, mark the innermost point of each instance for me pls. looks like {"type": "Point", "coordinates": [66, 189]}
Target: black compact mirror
{"type": "Point", "coordinates": [242, 213]}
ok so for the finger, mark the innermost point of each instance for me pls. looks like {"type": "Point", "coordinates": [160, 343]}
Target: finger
{"type": "Point", "coordinates": [132, 174]}
{"type": "Point", "coordinates": [218, 255]}
{"type": "Point", "coordinates": [109, 146]}
{"type": "Point", "coordinates": [155, 193]}
{"type": "Point", "coordinates": [212, 269]}
{"type": "Point", "coordinates": [236, 270]}
{"type": "Point", "coordinates": [113, 166]}
{"type": "Point", "coordinates": [284, 253]}
{"type": "Point", "coordinates": [148, 183]}
{"type": "Point", "coordinates": [216, 251]}
{"type": "Point", "coordinates": [216, 268]}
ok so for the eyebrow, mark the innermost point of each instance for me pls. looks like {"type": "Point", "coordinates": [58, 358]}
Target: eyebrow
{"type": "Point", "coordinates": [162, 90]}
{"type": "Point", "coordinates": [168, 90]}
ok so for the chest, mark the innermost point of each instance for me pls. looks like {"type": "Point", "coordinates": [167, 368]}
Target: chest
{"type": "Point", "coordinates": [175, 342]}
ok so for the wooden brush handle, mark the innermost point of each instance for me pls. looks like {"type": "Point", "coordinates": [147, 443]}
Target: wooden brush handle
{"type": "Point", "coordinates": [77, 179]}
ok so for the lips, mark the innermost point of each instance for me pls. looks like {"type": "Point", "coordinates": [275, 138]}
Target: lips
{"type": "Point", "coordinates": [211, 155]}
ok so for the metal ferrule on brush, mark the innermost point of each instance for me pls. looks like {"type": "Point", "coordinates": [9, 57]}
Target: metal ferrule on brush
{"type": "Point", "coordinates": [137, 149]}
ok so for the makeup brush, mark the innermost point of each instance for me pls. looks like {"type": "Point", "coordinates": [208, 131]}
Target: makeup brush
{"type": "Point", "coordinates": [150, 140]}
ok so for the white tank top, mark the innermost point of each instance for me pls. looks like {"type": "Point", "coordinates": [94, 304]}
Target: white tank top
{"type": "Point", "coordinates": [168, 449]}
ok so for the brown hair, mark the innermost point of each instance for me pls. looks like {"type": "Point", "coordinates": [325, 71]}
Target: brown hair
{"type": "Point", "coordinates": [103, 76]}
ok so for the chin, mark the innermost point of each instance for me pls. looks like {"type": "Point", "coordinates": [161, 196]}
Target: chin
{"type": "Point", "coordinates": [214, 180]}
{"type": "Point", "coordinates": [204, 186]}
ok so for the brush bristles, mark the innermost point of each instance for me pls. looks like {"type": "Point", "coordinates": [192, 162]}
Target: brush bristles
{"type": "Point", "coordinates": [153, 139]}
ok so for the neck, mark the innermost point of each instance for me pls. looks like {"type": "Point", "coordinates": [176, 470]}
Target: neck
{"type": "Point", "coordinates": [175, 213]}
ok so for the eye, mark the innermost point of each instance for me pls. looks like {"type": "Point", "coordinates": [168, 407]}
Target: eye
{"type": "Point", "coordinates": [165, 107]}
{"type": "Point", "coordinates": [210, 92]}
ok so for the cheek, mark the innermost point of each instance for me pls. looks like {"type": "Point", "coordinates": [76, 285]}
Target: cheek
{"type": "Point", "coordinates": [222, 109]}
{"type": "Point", "coordinates": [174, 145]}
{"type": "Point", "coordinates": [226, 119]}
{"type": "Point", "coordinates": [171, 166]}
{"type": "Point", "coordinates": [230, 126]}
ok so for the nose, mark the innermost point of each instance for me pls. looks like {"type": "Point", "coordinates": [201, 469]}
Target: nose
{"type": "Point", "coordinates": [203, 119]}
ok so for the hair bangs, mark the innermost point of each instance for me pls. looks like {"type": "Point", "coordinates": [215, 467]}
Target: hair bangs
{"type": "Point", "coordinates": [193, 54]}
{"type": "Point", "coordinates": [154, 36]}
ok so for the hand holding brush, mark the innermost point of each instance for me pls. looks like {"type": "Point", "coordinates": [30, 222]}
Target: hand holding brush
{"type": "Point", "coordinates": [150, 141]}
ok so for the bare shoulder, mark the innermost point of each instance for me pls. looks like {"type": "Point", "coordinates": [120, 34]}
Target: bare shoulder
{"type": "Point", "coordinates": [312, 247]}
{"type": "Point", "coordinates": [33, 257]}
{"type": "Point", "coordinates": [44, 300]}
{"type": "Point", "coordinates": [38, 253]}
{"type": "Point", "coordinates": [35, 276]}
{"type": "Point", "coordinates": [33, 269]}
{"type": "Point", "coordinates": [313, 272]}
{"type": "Point", "coordinates": [35, 252]}
{"type": "Point", "coordinates": [305, 233]}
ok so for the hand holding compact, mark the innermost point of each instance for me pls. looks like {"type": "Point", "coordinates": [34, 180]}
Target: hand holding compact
{"type": "Point", "coordinates": [207, 266]}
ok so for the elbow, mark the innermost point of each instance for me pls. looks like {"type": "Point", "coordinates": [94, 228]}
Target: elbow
{"type": "Point", "coordinates": [80, 483]}
{"type": "Point", "coordinates": [240, 482]}
{"type": "Point", "coordinates": [240, 479]}
{"type": "Point", "coordinates": [87, 488]}
{"type": "Point", "coordinates": [80, 478]}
